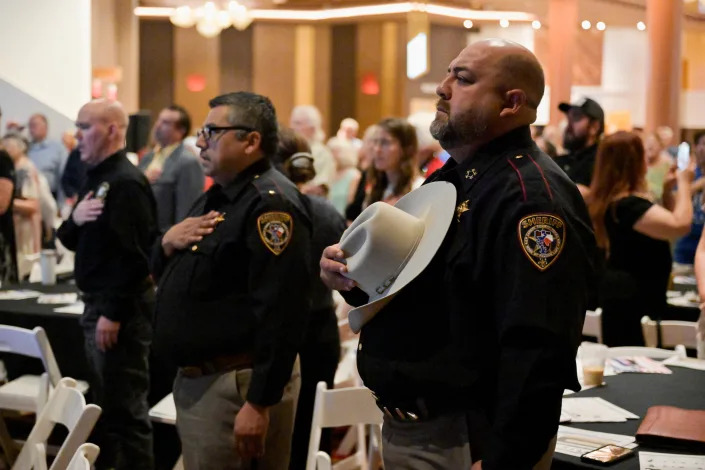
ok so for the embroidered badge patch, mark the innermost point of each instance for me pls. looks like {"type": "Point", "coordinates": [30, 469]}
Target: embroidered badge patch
{"type": "Point", "coordinates": [542, 237]}
{"type": "Point", "coordinates": [275, 229]}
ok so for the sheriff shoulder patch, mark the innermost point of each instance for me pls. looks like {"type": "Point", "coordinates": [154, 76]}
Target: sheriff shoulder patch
{"type": "Point", "coordinates": [542, 237]}
{"type": "Point", "coordinates": [275, 229]}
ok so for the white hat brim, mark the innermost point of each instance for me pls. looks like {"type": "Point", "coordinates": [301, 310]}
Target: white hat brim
{"type": "Point", "coordinates": [434, 203]}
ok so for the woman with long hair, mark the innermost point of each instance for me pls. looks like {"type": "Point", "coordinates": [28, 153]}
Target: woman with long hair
{"type": "Point", "coordinates": [393, 171]}
{"type": "Point", "coordinates": [633, 233]}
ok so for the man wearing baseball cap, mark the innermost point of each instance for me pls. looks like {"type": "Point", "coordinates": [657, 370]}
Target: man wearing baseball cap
{"type": "Point", "coordinates": [586, 122]}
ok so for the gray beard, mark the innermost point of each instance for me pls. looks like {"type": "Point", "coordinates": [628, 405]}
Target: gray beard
{"type": "Point", "coordinates": [450, 135]}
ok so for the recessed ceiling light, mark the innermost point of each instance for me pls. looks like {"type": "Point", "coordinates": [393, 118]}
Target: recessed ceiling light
{"type": "Point", "coordinates": [641, 26]}
{"type": "Point", "coordinates": [586, 24]}
{"type": "Point", "coordinates": [504, 23]}
{"type": "Point", "coordinates": [536, 24]}
{"type": "Point", "coordinates": [467, 24]}
{"type": "Point", "coordinates": [601, 25]}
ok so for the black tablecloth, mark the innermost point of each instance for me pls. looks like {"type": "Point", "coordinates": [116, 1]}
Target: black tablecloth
{"type": "Point", "coordinates": [685, 388]}
{"type": "Point", "coordinates": [63, 331]}
{"type": "Point", "coordinates": [66, 339]}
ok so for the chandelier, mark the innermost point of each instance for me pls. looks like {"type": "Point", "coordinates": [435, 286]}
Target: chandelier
{"type": "Point", "coordinates": [211, 20]}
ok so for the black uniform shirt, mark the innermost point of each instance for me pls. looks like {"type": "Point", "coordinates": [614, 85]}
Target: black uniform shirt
{"type": "Point", "coordinates": [245, 287]}
{"type": "Point", "coordinates": [112, 253]}
{"type": "Point", "coordinates": [494, 322]}
{"type": "Point", "coordinates": [579, 165]}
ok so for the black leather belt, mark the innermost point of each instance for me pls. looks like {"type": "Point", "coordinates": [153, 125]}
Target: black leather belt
{"type": "Point", "coordinates": [420, 408]}
{"type": "Point", "coordinates": [218, 365]}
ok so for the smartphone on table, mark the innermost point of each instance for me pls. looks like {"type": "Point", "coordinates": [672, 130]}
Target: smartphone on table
{"type": "Point", "coordinates": [607, 455]}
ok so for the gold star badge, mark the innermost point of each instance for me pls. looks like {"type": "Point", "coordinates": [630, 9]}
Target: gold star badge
{"type": "Point", "coordinates": [462, 207]}
{"type": "Point", "coordinates": [470, 174]}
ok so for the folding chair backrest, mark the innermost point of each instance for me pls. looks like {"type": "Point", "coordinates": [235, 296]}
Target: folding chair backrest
{"type": "Point", "coordinates": [323, 461]}
{"type": "Point", "coordinates": [32, 343]}
{"type": "Point", "coordinates": [593, 324]}
{"type": "Point", "coordinates": [84, 457]}
{"type": "Point", "coordinates": [67, 406]}
{"type": "Point", "coordinates": [340, 407]}
{"type": "Point", "coordinates": [673, 333]}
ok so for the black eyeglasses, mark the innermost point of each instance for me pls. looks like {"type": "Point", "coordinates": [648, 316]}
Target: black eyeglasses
{"type": "Point", "coordinates": [207, 132]}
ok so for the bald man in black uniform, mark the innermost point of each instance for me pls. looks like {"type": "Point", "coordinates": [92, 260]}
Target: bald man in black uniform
{"type": "Point", "coordinates": [473, 375]}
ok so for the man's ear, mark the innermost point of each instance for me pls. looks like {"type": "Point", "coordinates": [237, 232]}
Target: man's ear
{"type": "Point", "coordinates": [514, 100]}
{"type": "Point", "coordinates": [254, 140]}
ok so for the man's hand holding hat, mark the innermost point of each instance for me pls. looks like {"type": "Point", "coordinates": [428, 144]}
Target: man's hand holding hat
{"type": "Point", "coordinates": [332, 269]}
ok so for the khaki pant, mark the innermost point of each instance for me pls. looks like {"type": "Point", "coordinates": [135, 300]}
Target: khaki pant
{"type": "Point", "coordinates": [438, 444]}
{"type": "Point", "coordinates": [205, 414]}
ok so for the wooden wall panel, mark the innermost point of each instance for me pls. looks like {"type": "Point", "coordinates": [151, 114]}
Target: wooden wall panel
{"type": "Point", "coordinates": [156, 65]}
{"type": "Point", "coordinates": [273, 65]}
{"type": "Point", "coordinates": [195, 55]}
{"type": "Point", "coordinates": [322, 75]}
{"type": "Point", "coordinates": [236, 60]}
{"type": "Point", "coordinates": [343, 75]}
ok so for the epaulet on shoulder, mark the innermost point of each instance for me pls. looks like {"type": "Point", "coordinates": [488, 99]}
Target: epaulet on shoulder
{"type": "Point", "coordinates": [266, 185]}
{"type": "Point", "coordinates": [529, 175]}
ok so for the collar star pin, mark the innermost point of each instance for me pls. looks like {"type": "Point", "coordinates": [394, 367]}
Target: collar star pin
{"type": "Point", "coordinates": [462, 208]}
{"type": "Point", "coordinates": [470, 174]}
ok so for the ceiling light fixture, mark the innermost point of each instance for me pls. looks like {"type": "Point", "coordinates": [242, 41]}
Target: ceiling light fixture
{"type": "Point", "coordinates": [468, 24]}
{"type": "Point", "coordinates": [360, 11]}
{"type": "Point", "coordinates": [586, 25]}
{"type": "Point", "coordinates": [504, 23]}
{"type": "Point", "coordinates": [208, 19]}
{"type": "Point", "coordinates": [536, 24]}
{"type": "Point", "coordinates": [600, 25]}
{"type": "Point", "coordinates": [641, 26]}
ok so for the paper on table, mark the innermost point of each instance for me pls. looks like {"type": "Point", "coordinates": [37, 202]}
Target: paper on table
{"type": "Point", "coordinates": [658, 461]}
{"type": "Point", "coordinates": [638, 364]}
{"type": "Point", "coordinates": [594, 410]}
{"type": "Point", "coordinates": [68, 298]}
{"type": "Point", "coordinates": [75, 308]}
{"type": "Point", "coordinates": [689, 362]}
{"type": "Point", "coordinates": [20, 294]}
{"type": "Point", "coordinates": [576, 442]}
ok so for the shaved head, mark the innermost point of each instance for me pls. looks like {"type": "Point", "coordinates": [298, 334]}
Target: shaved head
{"type": "Point", "coordinates": [492, 87]}
{"type": "Point", "coordinates": [102, 125]}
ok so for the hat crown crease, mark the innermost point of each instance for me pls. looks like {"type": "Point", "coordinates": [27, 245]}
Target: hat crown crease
{"type": "Point", "coordinates": [379, 246]}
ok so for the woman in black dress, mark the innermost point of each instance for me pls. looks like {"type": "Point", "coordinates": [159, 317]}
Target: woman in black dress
{"type": "Point", "coordinates": [633, 233]}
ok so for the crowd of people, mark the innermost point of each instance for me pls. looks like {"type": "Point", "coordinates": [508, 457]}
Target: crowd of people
{"type": "Point", "coordinates": [221, 259]}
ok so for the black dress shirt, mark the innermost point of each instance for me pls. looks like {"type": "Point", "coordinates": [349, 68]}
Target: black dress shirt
{"type": "Point", "coordinates": [579, 165]}
{"type": "Point", "coordinates": [494, 321]}
{"type": "Point", "coordinates": [74, 176]}
{"type": "Point", "coordinates": [232, 292]}
{"type": "Point", "coordinates": [112, 253]}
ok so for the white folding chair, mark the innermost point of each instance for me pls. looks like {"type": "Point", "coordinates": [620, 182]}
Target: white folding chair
{"type": "Point", "coordinates": [653, 353]}
{"type": "Point", "coordinates": [323, 461]}
{"type": "Point", "coordinates": [165, 412]}
{"type": "Point", "coordinates": [343, 407]}
{"type": "Point", "coordinates": [673, 333]}
{"type": "Point", "coordinates": [30, 392]}
{"type": "Point", "coordinates": [84, 457]}
{"type": "Point", "coordinates": [593, 324]}
{"type": "Point", "coordinates": [66, 406]}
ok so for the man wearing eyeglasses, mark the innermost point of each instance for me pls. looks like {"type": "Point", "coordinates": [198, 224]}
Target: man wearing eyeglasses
{"type": "Point", "coordinates": [232, 295]}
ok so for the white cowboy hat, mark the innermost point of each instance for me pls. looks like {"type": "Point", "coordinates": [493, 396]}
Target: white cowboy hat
{"type": "Point", "coordinates": [387, 246]}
